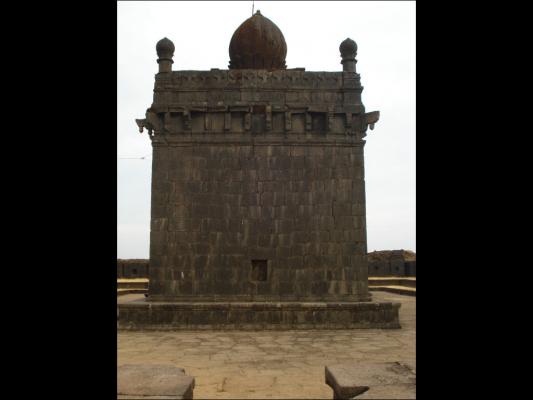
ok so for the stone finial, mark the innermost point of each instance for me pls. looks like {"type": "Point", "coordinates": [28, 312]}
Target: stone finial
{"type": "Point", "coordinates": [348, 49]}
{"type": "Point", "coordinates": [165, 51]}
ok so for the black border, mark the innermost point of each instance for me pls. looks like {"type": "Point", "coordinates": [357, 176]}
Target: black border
{"type": "Point", "coordinates": [60, 165]}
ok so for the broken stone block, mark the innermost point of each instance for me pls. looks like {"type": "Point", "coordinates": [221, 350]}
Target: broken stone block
{"type": "Point", "coordinates": [389, 380]}
{"type": "Point", "coordinates": [153, 382]}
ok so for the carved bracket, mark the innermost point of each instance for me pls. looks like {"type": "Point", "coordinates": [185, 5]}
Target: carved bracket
{"type": "Point", "coordinates": [288, 120]}
{"type": "Point", "coordinates": [308, 121]}
{"type": "Point", "coordinates": [227, 121]}
{"type": "Point", "coordinates": [248, 120]}
{"type": "Point", "coordinates": [187, 119]}
{"type": "Point", "coordinates": [152, 123]}
{"type": "Point", "coordinates": [268, 117]}
{"type": "Point", "coordinates": [371, 118]}
{"type": "Point", "coordinates": [330, 117]}
{"type": "Point", "coordinates": [142, 123]}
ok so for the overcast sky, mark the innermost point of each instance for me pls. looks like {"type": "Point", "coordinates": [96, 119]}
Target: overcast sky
{"type": "Point", "coordinates": [313, 30]}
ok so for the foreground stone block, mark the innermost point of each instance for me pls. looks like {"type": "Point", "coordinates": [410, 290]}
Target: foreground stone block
{"type": "Point", "coordinates": [153, 382]}
{"type": "Point", "coordinates": [390, 380]}
{"type": "Point", "coordinates": [143, 314]}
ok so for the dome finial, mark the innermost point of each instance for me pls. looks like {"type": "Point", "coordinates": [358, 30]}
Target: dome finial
{"type": "Point", "coordinates": [165, 51]}
{"type": "Point", "coordinates": [257, 44]}
{"type": "Point", "coordinates": [348, 49]}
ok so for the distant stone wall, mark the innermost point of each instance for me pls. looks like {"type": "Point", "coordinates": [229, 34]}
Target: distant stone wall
{"type": "Point", "coordinates": [136, 268]}
{"type": "Point", "coordinates": [379, 268]}
{"type": "Point", "coordinates": [410, 268]}
{"type": "Point", "coordinates": [390, 263]}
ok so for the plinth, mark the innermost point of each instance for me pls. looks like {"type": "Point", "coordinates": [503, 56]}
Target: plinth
{"type": "Point", "coordinates": [149, 315]}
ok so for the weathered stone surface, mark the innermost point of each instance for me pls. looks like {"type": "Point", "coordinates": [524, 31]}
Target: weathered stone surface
{"type": "Point", "coordinates": [242, 201]}
{"type": "Point", "coordinates": [391, 380]}
{"type": "Point", "coordinates": [153, 382]}
{"type": "Point", "coordinates": [142, 314]}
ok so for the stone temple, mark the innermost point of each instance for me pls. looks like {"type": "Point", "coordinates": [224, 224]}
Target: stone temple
{"type": "Point", "coordinates": [258, 194]}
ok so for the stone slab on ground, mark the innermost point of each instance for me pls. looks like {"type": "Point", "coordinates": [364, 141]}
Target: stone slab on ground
{"type": "Point", "coordinates": [151, 382]}
{"type": "Point", "coordinates": [386, 380]}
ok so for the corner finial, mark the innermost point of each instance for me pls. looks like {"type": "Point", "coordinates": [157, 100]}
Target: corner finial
{"type": "Point", "coordinates": [348, 49]}
{"type": "Point", "coordinates": [165, 51]}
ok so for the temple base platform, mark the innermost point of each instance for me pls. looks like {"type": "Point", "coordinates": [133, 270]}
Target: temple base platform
{"type": "Point", "coordinates": [142, 314]}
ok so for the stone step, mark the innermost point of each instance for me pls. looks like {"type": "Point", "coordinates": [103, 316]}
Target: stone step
{"type": "Point", "coordinates": [392, 281]}
{"type": "Point", "coordinates": [132, 283]}
{"type": "Point", "coordinates": [121, 292]}
{"type": "Point", "coordinates": [408, 291]}
{"type": "Point", "coordinates": [141, 314]}
{"type": "Point", "coordinates": [383, 284]}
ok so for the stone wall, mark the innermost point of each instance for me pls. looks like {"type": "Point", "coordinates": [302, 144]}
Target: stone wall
{"type": "Point", "coordinates": [258, 186]}
{"type": "Point", "coordinates": [379, 268]}
{"type": "Point", "coordinates": [220, 207]}
{"type": "Point", "coordinates": [139, 268]}
{"type": "Point", "coordinates": [410, 268]}
{"type": "Point", "coordinates": [391, 263]}
{"type": "Point", "coordinates": [255, 316]}
{"type": "Point", "coordinates": [135, 268]}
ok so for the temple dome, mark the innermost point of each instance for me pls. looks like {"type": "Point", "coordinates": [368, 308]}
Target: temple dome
{"type": "Point", "coordinates": [257, 44]}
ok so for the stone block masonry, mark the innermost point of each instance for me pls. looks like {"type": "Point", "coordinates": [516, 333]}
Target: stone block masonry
{"type": "Point", "coordinates": [144, 315]}
{"type": "Point", "coordinates": [219, 208]}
